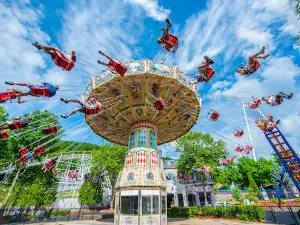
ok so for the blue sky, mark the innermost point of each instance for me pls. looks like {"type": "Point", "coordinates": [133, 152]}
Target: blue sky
{"type": "Point", "coordinates": [227, 30]}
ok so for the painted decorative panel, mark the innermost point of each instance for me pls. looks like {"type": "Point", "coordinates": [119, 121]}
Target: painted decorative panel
{"type": "Point", "coordinates": [141, 158]}
{"type": "Point", "coordinates": [129, 159]}
{"type": "Point", "coordinates": [142, 138]}
{"type": "Point", "coordinates": [132, 140]}
{"type": "Point", "coordinates": [153, 140]}
{"type": "Point", "coordinates": [154, 159]}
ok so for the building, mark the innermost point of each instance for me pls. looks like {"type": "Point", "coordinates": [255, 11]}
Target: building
{"type": "Point", "coordinates": [185, 190]}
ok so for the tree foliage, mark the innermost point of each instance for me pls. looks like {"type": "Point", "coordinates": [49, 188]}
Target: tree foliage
{"type": "Point", "coordinates": [33, 188]}
{"type": "Point", "coordinates": [237, 173]}
{"type": "Point", "coordinates": [88, 193]}
{"type": "Point", "coordinates": [111, 159]}
{"type": "Point", "coordinates": [253, 189]}
{"type": "Point", "coordinates": [198, 149]}
{"type": "Point", "coordinates": [107, 162]}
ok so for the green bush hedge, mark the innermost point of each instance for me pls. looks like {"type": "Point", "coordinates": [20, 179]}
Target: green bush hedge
{"type": "Point", "coordinates": [245, 213]}
{"type": "Point", "coordinates": [60, 213]}
{"type": "Point", "coordinates": [297, 200]}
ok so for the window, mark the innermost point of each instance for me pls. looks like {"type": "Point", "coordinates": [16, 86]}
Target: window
{"type": "Point", "coordinates": [129, 205]}
{"type": "Point", "coordinates": [152, 139]}
{"type": "Point", "coordinates": [163, 204]}
{"type": "Point", "coordinates": [150, 202]}
{"type": "Point", "coordinates": [132, 140]}
{"type": "Point", "coordinates": [150, 205]}
{"type": "Point", "coordinates": [142, 138]}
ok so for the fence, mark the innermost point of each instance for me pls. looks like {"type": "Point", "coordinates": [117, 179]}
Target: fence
{"type": "Point", "coordinates": [28, 216]}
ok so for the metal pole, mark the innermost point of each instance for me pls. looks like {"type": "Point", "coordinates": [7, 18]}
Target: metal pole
{"type": "Point", "coordinates": [246, 119]}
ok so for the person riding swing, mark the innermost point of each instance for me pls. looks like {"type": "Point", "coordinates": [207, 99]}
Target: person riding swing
{"type": "Point", "coordinates": [277, 99]}
{"type": "Point", "coordinates": [61, 59]}
{"type": "Point", "coordinates": [89, 108]}
{"type": "Point", "coordinates": [253, 64]}
{"type": "Point", "coordinates": [43, 90]}
{"type": "Point", "coordinates": [168, 41]}
{"type": "Point", "coordinates": [12, 94]}
{"type": "Point", "coordinates": [15, 124]}
{"type": "Point", "coordinates": [205, 71]}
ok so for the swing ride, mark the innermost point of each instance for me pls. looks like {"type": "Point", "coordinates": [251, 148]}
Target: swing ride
{"type": "Point", "coordinates": [142, 104]}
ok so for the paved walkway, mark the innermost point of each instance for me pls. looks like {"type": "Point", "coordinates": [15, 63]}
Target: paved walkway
{"type": "Point", "coordinates": [171, 221]}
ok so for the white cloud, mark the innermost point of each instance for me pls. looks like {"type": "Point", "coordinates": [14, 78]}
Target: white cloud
{"type": "Point", "coordinates": [291, 123]}
{"type": "Point", "coordinates": [19, 60]}
{"type": "Point", "coordinates": [230, 30]}
{"type": "Point", "coordinates": [220, 85]}
{"type": "Point", "coordinates": [152, 8]}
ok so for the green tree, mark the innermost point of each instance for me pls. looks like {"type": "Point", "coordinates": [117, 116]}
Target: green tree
{"type": "Point", "coordinates": [29, 137]}
{"type": "Point", "coordinates": [198, 149]}
{"type": "Point", "coordinates": [260, 170]}
{"type": "Point", "coordinates": [227, 175]}
{"type": "Point", "coordinates": [88, 194]}
{"type": "Point", "coordinates": [111, 160]}
{"type": "Point", "coordinates": [253, 189]}
{"type": "Point", "coordinates": [33, 188]}
{"type": "Point", "coordinates": [276, 174]}
{"type": "Point", "coordinates": [236, 194]}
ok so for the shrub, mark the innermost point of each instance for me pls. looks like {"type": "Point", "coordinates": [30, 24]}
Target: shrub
{"type": "Point", "coordinates": [60, 213]}
{"type": "Point", "coordinates": [274, 200]}
{"type": "Point", "coordinates": [208, 211]}
{"type": "Point", "coordinates": [297, 199]}
{"type": "Point", "coordinates": [193, 211]}
{"type": "Point", "coordinates": [230, 212]}
{"type": "Point", "coordinates": [220, 211]}
{"type": "Point", "coordinates": [250, 213]}
{"type": "Point", "coordinates": [298, 213]}
{"type": "Point", "coordinates": [245, 213]}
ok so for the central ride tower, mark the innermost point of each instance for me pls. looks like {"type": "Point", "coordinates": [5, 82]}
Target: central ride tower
{"type": "Point", "coordinates": [151, 105]}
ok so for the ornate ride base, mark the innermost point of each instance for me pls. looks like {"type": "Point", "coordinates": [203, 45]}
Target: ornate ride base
{"type": "Point", "coordinates": [141, 186]}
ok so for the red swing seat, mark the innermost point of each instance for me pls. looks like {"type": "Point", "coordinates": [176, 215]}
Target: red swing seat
{"type": "Point", "coordinates": [228, 160]}
{"type": "Point", "coordinates": [171, 41]}
{"type": "Point", "coordinates": [23, 151]}
{"type": "Point", "coordinates": [25, 157]}
{"type": "Point", "coordinates": [255, 103]}
{"type": "Point", "coordinates": [15, 125]}
{"type": "Point", "coordinates": [40, 92]}
{"type": "Point", "coordinates": [159, 104]}
{"type": "Point", "coordinates": [9, 95]}
{"type": "Point", "coordinates": [50, 130]}
{"type": "Point", "coordinates": [39, 150]}
{"type": "Point", "coordinates": [3, 135]}
{"type": "Point", "coordinates": [60, 60]}
{"type": "Point", "coordinates": [213, 115]}
{"type": "Point", "coordinates": [49, 164]}
{"type": "Point", "coordinates": [238, 133]}
{"type": "Point", "coordinates": [245, 152]}
{"type": "Point", "coordinates": [115, 65]}
{"type": "Point", "coordinates": [239, 148]}
{"type": "Point", "coordinates": [256, 65]}
{"type": "Point", "coordinates": [90, 111]}
{"type": "Point", "coordinates": [248, 147]}
{"type": "Point", "coordinates": [209, 73]}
